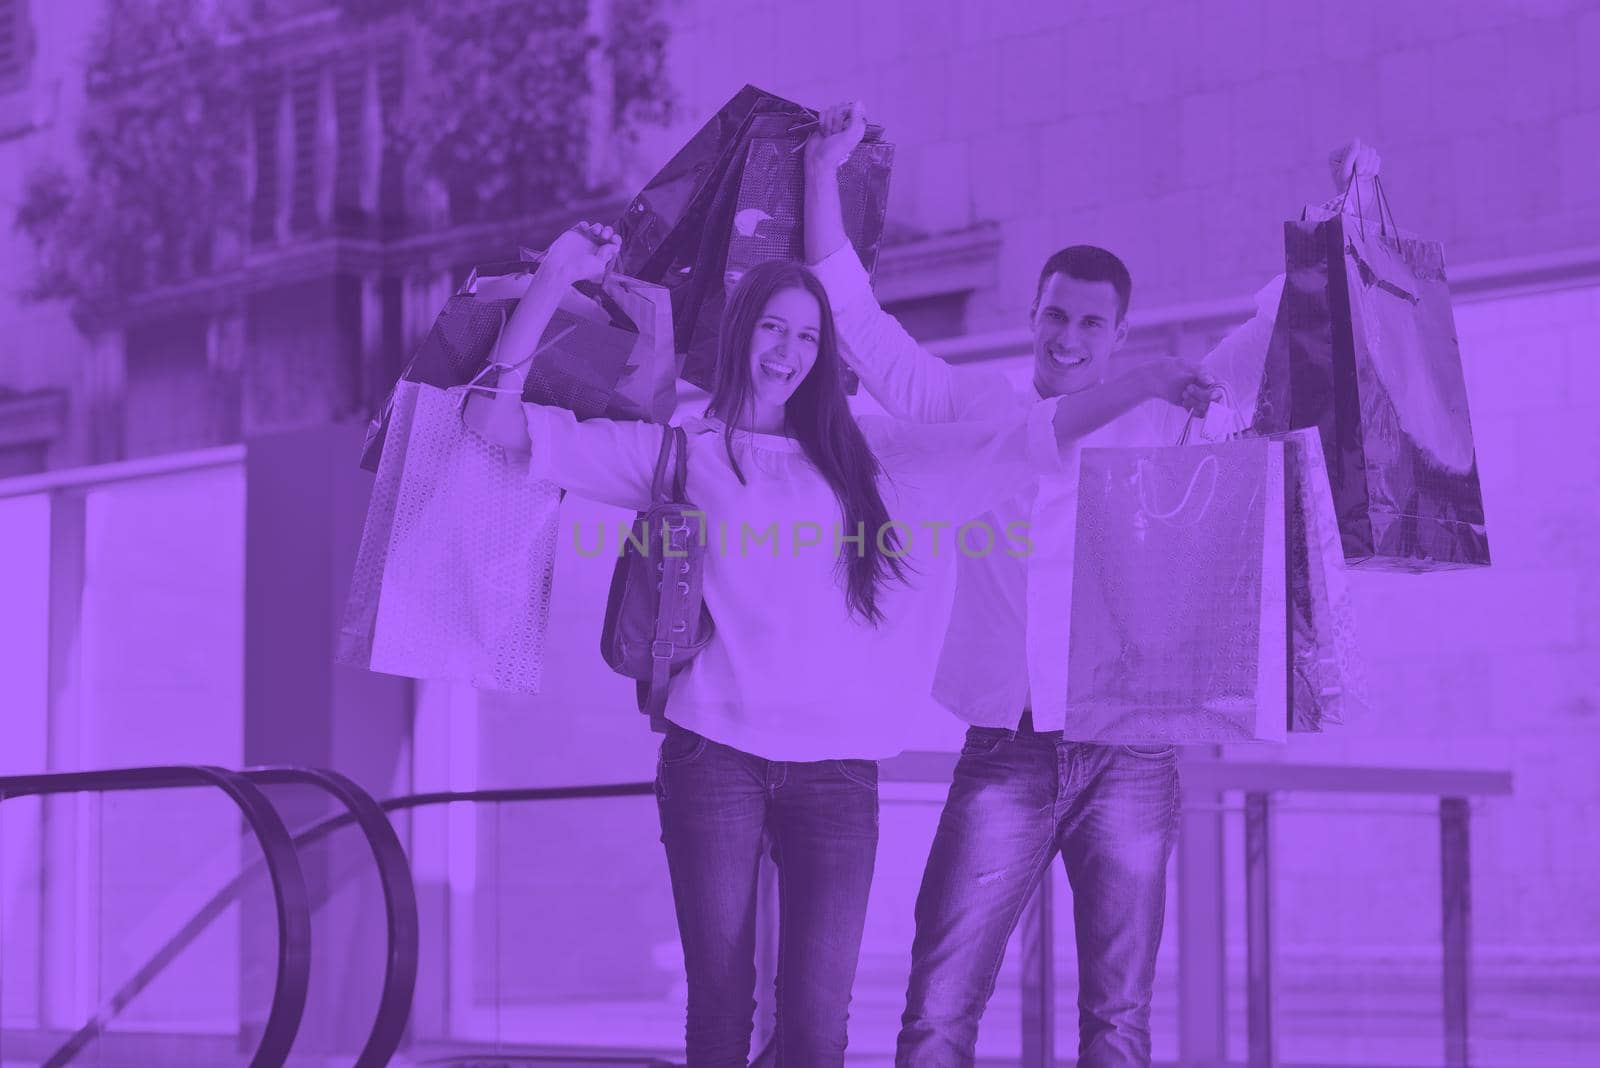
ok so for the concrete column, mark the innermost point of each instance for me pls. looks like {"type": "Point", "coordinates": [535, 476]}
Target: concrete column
{"type": "Point", "coordinates": [305, 502]}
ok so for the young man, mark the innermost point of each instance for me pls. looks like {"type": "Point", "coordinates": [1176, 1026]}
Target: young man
{"type": "Point", "coordinates": [1024, 790]}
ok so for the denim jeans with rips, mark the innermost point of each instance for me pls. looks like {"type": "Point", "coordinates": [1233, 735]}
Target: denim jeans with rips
{"type": "Point", "coordinates": [1018, 799]}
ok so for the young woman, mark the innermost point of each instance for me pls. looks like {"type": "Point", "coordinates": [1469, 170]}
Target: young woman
{"type": "Point", "coordinates": [831, 549]}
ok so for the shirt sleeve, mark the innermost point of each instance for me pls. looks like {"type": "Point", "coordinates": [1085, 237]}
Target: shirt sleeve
{"type": "Point", "coordinates": [908, 380]}
{"type": "Point", "coordinates": [1239, 359]}
{"type": "Point", "coordinates": [606, 460]}
{"type": "Point", "coordinates": [952, 473]}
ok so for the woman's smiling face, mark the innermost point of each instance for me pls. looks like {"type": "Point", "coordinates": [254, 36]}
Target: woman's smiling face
{"type": "Point", "coordinates": [783, 346]}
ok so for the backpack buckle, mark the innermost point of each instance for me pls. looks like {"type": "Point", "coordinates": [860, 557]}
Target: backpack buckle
{"type": "Point", "coordinates": [661, 650]}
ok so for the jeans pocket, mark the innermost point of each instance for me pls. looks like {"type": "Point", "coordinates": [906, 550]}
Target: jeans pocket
{"type": "Point", "coordinates": [861, 772]}
{"type": "Point", "coordinates": [981, 741]}
{"type": "Point", "coordinates": [1150, 752]}
{"type": "Point", "coordinates": [681, 746]}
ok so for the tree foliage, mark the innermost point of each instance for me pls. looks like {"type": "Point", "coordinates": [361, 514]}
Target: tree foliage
{"type": "Point", "coordinates": [498, 112]}
{"type": "Point", "coordinates": [504, 106]}
{"type": "Point", "coordinates": [159, 175]}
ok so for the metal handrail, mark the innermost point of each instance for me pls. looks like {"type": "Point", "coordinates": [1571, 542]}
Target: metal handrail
{"type": "Point", "coordinates": [122, 471]}
{"type": "Point", "coordinates": [1218, 776]}
{"type": "Point", "coordinates": [283, 867]}
{"type": "Point", "coordinates": [519, 793]}
{"type": "Point", "coordinates": [399, 900]}
{"type": "Point", "coordinates": [400, 903]}
{"type": "Point", "coordinates": [394, 870]}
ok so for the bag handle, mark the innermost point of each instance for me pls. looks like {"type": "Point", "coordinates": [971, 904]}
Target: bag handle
{"type": "Point", "coordinates": [680, 478]}
{"type": "Point", "coordinates": [1206, 463]}
{"type": "Point", "coordinates": [660, 491]}
{"type": "Point", "coordinates": [596, 291]}
{"type": "Point", "coordinates": [1383, 206]}
{"type": "Point", "coordinates": [670, 609]}
{"type": "Point", "coordinates": [1240, 426]}
{"type": "Point", "coordinates": [1384, 228]}
{"type": "Point", "coordinates": [494, 363]}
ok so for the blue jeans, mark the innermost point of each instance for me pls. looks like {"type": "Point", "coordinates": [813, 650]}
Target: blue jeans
{"type": "Point", "coordinates": [719, 807]}
{"type": "Point", "coordinates": [1018, 799]}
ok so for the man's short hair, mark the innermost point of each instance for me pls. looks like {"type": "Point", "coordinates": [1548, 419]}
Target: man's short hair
{"type": "Point", "coordinates": [1089, 263]}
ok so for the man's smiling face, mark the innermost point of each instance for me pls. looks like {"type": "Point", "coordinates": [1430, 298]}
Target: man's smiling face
{"type": "Point", "coordinates": [1076, 326]}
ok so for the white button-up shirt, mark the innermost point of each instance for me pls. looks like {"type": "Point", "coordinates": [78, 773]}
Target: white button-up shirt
{"type": "Point", "coordinates": [1006, 646]}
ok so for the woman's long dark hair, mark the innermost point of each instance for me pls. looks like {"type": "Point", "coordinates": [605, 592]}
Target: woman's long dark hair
{"type": "Point", "coordinates": [818, 416]}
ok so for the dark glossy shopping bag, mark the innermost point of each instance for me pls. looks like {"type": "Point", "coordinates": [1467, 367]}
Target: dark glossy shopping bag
{"type": "Point", "coordinates": [761, 217]}
{"type": "Point", "coordinates": [1326, 680]}
{"type": "Point", "coordinates": [608, 350]}
{"type": "Point", "coordinates": [1364, 349]}
{"type": "Point", "coordinates": [678, 196]}
{"type": "Point", "coordinates": [731, 198]}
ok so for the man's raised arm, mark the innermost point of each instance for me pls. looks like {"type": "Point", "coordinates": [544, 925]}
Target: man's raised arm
{"type": "Point", "coordinates": [908, 380]}
{"type": "Point", "coordinates": [1240, 357]}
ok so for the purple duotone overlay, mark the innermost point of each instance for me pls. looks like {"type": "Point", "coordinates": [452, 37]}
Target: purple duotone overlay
{"type": "Point", "coordinates": [181, 504]}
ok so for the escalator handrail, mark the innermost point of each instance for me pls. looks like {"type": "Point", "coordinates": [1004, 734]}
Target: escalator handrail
{"type": "Point", "coordinates": [394, 873]}
{"type": "Point", "coordinates": [518, 793]}
{"type": "Point", "coordinates": [399, 899]}
{"type": "Point", "coordinates": [225, 896]}
{"type": "Point", "coordinates": [290, 898]}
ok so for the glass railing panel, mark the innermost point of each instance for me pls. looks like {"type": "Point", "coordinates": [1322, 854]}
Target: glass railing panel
{"type": "Point", "coordinates": [580, 949]}
{"type": "Point", "coordinates": [1358, 960]}
{"type": "Point", "coordinates": [112, 931]}
{"type": "Point", "coordinates": [545, 925]}
{"type": "Point", "coordinates": [22, 941]}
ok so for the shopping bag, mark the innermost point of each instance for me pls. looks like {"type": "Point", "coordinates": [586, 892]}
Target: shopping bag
{"type": "Point", "coordinates": [1178, 619]}
{"type": "Point", "coordinates": [1364, 349]}
{"type": "Point", "coordinates": [760, 219]}
{"type": "Point", "coordinates": [608, 350]}
{"type": "Point", "coordinates": [354, 644]}
{"type": "Point", "coordinates": [678, 196]}
{"type": "Point", "coordinates": [453, 574]}
{"type": "Point", "coordinates": [678, 230]}
{"type": "Point", "coordinates": [1326, 680]}
{"type": "Point", "coordinates": [768, 223]}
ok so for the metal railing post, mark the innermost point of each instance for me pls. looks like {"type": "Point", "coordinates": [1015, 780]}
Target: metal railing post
{"type": "Point", "coordinates": [1202, 934]}
{"type": "Point", "coordinates": [1455, 886]}
{"type": "Point", "coordinates": [1258, 879]}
